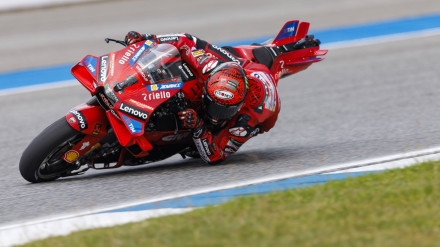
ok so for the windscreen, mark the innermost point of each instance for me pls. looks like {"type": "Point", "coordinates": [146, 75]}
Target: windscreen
{"type": "Point", "coordinates": [160, 63]}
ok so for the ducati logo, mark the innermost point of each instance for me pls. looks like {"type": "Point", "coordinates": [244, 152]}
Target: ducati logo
{"type": "Point", "coordinates": [209, 66]}
{"type": "Point", "coordinates": [84, 145]}
{"type": "Point", "coordinates": [238, 131]}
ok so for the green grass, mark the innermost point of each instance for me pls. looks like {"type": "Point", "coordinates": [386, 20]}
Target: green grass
{"type": "Point", "coordinates": [394, 208]}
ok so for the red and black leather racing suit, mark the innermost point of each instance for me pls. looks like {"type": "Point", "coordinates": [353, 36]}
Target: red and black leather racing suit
{"type": "Point", "coordinates": [259, 111]}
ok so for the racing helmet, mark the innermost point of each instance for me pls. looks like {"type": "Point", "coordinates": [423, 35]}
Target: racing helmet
{"type": "Point", "coordinates": [225, 92]}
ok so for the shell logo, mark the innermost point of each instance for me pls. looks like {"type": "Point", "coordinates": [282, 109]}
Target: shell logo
{"type": "Point", "coordinates": [154, 87]}
{"type": "Point", "coordinates": [71, 156]}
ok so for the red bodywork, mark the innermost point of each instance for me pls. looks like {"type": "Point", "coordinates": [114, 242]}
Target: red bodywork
{"type": "Point", "coordinates": [129, 113]}
{"type": "Point", "coordinates": [290, 62]}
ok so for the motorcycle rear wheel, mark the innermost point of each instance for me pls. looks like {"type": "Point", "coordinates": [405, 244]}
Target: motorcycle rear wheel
{"type": "Point", "coordinates": [42, 159]}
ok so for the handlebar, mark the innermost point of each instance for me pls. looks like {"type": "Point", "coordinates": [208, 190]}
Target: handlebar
{"type": "Point", "coordinates": [131, 80]}
{"type": "Point", "coordinates": [107, 40]}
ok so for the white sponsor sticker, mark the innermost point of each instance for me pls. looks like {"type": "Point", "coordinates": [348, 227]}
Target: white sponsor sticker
{"type": "Point", "coordinates": [270, 102]}
{"type": "Point", "coordinates": [201, 150]}
{"type": "Point", "coordinates": [223, 94]}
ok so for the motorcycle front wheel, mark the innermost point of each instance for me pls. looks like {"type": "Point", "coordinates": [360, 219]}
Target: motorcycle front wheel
{"type": "Point", "coordinates": [42, 159]}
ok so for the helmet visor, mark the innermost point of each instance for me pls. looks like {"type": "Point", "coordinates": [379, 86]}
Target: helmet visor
{"type": "Point", "coordinates": [218, 111]}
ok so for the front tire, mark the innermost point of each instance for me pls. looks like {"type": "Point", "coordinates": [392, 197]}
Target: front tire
{"type": "Point", "coordinates": [42, 159]}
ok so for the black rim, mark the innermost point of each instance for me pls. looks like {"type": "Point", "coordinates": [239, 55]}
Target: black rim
{"type": "Point", "coordinates": [53, 166]}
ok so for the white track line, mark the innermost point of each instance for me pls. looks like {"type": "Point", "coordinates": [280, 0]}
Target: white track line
{"type": "Point", "coordinates": [386, 162]}
{"type": "Point", "coordinates": [7, 5]}
{"type": "Point", "coordinates": [28, 233]}
{"type": "Point", "coordinates": [39, 87]}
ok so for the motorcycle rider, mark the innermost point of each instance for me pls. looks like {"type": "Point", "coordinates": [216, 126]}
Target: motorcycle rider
{"type": "Point", "coordinates": [240, 98]}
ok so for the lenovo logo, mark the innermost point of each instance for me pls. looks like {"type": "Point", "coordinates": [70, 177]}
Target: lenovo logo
{"type": "Point", "coordinates": [133, 111]}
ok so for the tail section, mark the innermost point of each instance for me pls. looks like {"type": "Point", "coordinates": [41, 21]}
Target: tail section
{"type": "Point", "coordinates": [292, 31]}
{"type": "Point", "coordinates": [291, 51]}
{"type": "Point", "coordinates": [297, 49]}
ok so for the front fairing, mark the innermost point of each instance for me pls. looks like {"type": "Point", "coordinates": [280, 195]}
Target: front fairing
{"type": "Point", "coordinates": [154, 67]}
{"type": "Point", "coordinates": [131, 83]}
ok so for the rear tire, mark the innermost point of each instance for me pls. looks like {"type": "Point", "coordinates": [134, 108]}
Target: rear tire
{"type": "Point", "coordinates": [42, 159]}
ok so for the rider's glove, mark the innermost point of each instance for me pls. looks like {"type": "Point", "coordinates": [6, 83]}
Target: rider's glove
{"type": "Point", "coordinates": [133, 37]}
{"type": "Point", "coordinates": [189, 119]}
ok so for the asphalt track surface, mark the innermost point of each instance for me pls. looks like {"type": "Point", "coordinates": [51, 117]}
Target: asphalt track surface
{"type": "Point", "coordinates": [360, 103]}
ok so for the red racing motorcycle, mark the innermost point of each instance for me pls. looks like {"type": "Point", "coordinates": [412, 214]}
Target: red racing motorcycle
{"type": "Point", "coordinates": [131, 118]}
